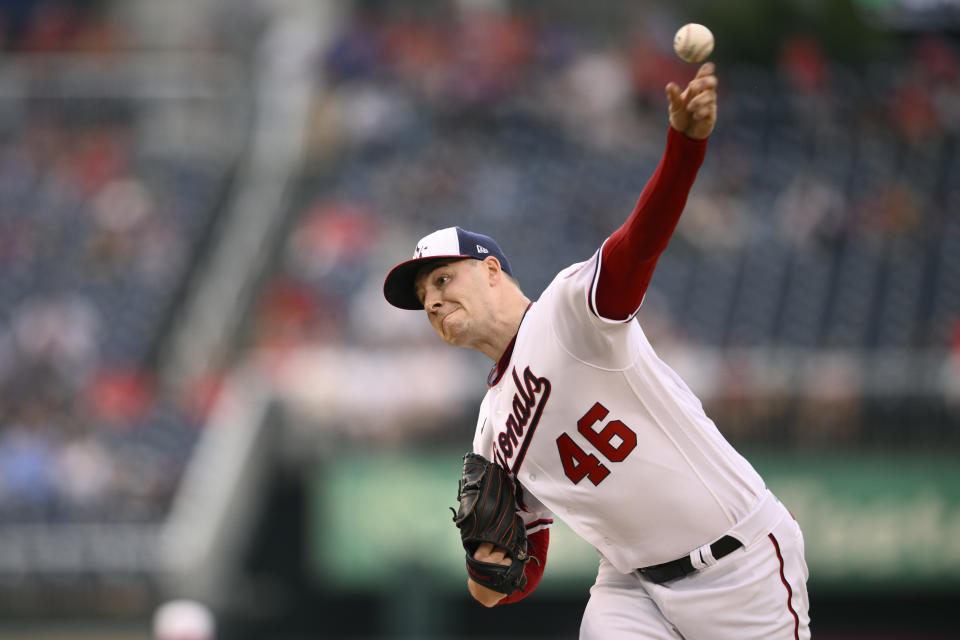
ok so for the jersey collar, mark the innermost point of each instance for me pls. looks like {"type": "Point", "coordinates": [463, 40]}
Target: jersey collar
{"type": "Point", "coordinates": [496, 372]}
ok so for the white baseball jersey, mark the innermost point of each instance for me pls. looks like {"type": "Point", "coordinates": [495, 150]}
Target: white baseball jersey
{"type": "Point", "coordinates": [603, 434]}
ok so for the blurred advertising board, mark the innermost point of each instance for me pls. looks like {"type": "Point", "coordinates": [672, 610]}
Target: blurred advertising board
{"type": "Point", "coordinates": [870, 522]}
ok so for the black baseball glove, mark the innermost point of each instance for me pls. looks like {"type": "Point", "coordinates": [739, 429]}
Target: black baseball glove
{"type": "Point", "coordinates": [488, 513]}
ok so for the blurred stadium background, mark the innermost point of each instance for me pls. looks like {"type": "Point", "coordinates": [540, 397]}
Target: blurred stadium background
{"type": "Point", "coordinates": [204, 396]}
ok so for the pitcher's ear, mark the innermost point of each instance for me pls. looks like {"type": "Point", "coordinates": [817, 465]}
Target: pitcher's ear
{"type": "Point", "coordinates": [492, 265]}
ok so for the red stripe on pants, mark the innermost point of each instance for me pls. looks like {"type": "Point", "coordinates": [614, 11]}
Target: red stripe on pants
{"type": "Point", "coordinates": [783, 579]}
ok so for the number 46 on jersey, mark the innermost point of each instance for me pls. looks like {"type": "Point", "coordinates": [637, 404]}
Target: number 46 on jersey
{"type": "Point", "coordinates": [614, 441]}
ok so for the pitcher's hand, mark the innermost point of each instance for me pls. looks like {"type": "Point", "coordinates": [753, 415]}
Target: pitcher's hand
{"type": "Point", "coordinates": [693, 111]}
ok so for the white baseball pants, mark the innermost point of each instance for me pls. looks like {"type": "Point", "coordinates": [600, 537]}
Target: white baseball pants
{"type": "Point", "coordinates": [758, 592]}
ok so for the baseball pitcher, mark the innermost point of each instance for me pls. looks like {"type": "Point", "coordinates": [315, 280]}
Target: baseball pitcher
{"type": "Point", "coordinates": [582, 420]}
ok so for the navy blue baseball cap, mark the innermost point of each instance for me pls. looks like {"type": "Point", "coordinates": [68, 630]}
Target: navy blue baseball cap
{"type": "Point", "coordinates": [445, 244]}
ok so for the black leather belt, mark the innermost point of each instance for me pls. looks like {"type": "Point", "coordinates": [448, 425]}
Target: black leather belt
{"type": "Point", "coordinates": [681, 567]}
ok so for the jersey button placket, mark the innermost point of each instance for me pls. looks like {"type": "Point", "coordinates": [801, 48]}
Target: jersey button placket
{"type": "Point", "coordinates": [499, 417]}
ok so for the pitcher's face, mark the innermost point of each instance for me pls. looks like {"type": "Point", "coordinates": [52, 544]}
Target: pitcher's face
{"type": "Point", "coordinates": [456, 297]}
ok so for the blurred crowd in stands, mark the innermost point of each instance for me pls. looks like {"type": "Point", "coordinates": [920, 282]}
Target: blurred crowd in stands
{"type": "Point", "coordinates": [95, 239]}
{"type": "Point", "coordinates": [543, 137]}
{"type": "Point", "coordinates": [827, 216]}
{"type": "Point", "coordinates": [45, 26]}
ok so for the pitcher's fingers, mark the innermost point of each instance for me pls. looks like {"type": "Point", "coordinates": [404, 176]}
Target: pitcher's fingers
{"type": "Point", "coordinates": [673, 95]}
{"type": "Point", "coordinates": [706, 69]}
{"type": "Point", "coordinates": [701, 100]}
{"type": "Point", "coordinates": [702, 85]}
{"type": "Point", "coordinates": [704, 113]}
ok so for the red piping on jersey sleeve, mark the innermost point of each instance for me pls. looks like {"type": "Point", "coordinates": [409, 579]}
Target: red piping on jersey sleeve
{"type": "Point", "coordinates": [631, 252]}
{"type": "Point", "coordinates": [534, 569]}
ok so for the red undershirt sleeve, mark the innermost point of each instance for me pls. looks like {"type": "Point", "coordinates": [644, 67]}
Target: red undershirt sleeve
{"type": "Point", "coordinates": [631, 252]}
{"type": "Point", "coordinates": [534, 569]}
